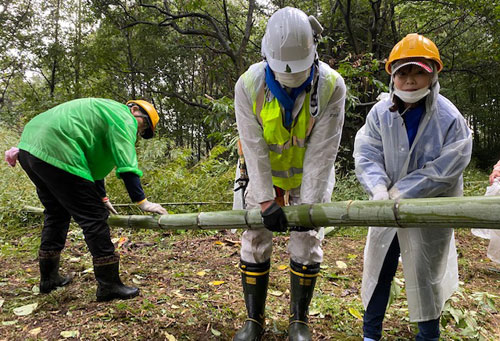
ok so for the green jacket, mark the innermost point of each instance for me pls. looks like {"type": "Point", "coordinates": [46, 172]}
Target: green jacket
{"type": "Point", "coordinates": [86, 137]}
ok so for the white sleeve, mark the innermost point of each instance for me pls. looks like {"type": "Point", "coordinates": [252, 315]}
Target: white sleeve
{"type": "Point", "coordinates": [439, 175]}
{"type": "Point", "coordinates": [254, 146]}
{"type": "Point", "coordinates": [368, 156]}
{"type": "Point", "coordinates": [318, 177]}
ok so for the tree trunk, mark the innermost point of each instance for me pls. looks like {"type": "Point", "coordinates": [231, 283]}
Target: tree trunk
{"type": "Point", "coordinates": [53, 70]}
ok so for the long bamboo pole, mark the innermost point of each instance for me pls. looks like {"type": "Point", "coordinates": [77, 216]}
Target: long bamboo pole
{"type": "Point", "coordinates": [193, 203]}
{"type": "Point", "coordinates": [457, 212]}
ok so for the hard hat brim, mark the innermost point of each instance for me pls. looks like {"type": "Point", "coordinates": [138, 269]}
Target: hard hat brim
{"type": "Point", "coordinates": [292, 66]}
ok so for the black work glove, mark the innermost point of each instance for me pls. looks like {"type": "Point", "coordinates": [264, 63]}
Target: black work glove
{"type": "Point", "coordinates": [301, 229]}
{"type": "Point", "coordinates": [274, 218]}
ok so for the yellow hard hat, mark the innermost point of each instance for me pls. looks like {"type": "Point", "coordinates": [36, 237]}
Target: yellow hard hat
{"type": "Point", "coordinates": [414, 45]}
{"type": "Point", "coordinates": [153, 118]}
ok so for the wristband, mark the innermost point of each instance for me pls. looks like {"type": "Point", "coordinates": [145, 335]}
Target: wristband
{"type": "Point", "coordinates": [142, 201]}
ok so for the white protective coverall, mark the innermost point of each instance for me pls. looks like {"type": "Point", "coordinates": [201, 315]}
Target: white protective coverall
{"type": "Point", "coordinates": [493, 235]}
{"type": "Point", "coordinates": [318, 177]}
{"type": "Point", "coordinates": [432, 167]}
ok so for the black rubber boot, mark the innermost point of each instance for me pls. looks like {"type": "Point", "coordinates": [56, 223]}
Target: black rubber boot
{"type": "Point", "coordinates": [302, 280]}
{"type": "Point", "coordinates": [109, 285]}
{"type": "Point", "coordinates": [254, 278]}
{"type": "Point", "coordinates": [50, 278]}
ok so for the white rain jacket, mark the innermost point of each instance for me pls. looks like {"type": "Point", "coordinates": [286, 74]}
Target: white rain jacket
{"type": "Point", "coordinates": [318, 177]}
{"type": "Point", "coordinates": [432, 167]}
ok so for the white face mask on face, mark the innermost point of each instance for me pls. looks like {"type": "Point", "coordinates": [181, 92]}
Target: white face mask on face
{"type": "Point", "coordinates": [412, 96]}
{"type": "Point", "coordinates": [292, 80]}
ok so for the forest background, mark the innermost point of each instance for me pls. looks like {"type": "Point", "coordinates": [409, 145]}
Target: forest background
{"type": "Point", "coordinates": [185, 57]}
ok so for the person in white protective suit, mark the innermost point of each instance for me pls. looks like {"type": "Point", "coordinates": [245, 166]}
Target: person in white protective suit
{"type": "Point", "coordinates": [414, 144]}
{"type": "Point", "coordinates": [493, 235]}
{"type": "Point", "coordinates": [289, 113]}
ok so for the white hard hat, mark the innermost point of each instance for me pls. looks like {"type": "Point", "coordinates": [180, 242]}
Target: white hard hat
{"type": "Point", "coordinates": [288, 43]}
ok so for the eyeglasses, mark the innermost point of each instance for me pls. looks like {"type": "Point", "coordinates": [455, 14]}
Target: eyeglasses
{"type": "Point", "coordinates": [142, 114]}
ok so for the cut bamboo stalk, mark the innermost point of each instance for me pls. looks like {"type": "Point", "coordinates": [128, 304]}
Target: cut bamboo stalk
{"type": "Point", "coordinates": [193, 203]}
{"type": "Point", "coordinates": [456, 212]}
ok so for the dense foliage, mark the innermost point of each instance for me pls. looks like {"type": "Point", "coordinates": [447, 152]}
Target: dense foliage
{"type": "Point", "coordinates": [185, 57]}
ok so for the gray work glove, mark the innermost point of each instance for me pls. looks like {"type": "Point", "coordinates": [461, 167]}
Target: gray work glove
{"type": "Point", "coordinates": [148, 206]}
{"type": "Point", "coordinates": [108, 205]}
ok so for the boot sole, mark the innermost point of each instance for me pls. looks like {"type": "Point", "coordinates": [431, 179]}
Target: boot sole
{"type": "Point", "coordinates": [115, 297]}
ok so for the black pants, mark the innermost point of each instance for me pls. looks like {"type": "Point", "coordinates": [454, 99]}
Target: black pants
{"type": "Point", "coordinates": [65, 195]}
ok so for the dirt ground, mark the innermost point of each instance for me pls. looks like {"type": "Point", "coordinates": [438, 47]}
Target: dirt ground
{"type": "Point", "coordinates": [190, 290]}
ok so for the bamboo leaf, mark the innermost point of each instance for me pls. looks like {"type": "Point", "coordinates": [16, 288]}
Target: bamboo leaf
{"type": "Point", "coordinates": [399, 282]}
{"type": "Point", "coordinates": [35, 331]}
{"type": "Point", "coordinates": [354, 312]}
{"type": "Point", "coordinates": [169, 337]}
{"type": "Point", "coordinates": [341, 265]}
{"type": "Point", "coordinates": [9, 323]}
{"type": "Point", "coordinates": [313, 312]}
{"type": "Point", "coordinates": [216, 282]}
{"type": "Point", "coordinates": [70, 333]}
{"type": "Point", "coordinates": [25, 309]}
{"type": "Point", "coordinates": [276, 293]}
{"type": "Point", "coordinates": [121, 241]}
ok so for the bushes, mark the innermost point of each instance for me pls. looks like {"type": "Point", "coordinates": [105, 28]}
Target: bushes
{"type": "Point", "coordinates": [169, 176]}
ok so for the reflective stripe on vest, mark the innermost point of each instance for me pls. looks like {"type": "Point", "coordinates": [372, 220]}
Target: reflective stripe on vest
{"type": "Point", "coordinates": [286, 148]}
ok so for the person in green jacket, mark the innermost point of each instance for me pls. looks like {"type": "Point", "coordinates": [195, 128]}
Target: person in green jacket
{"type": "Point", "coordinates": [67, 152]}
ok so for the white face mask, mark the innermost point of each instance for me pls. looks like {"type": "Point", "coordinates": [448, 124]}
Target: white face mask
{"type": "Point", "coordinates": [412, 96]}
{"type": "Point", "coordinates": [292, 80]}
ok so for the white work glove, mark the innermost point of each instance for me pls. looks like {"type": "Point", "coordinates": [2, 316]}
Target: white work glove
{"type": "Point", "coordinates": [380, 193]}
{"type": "Point", "coordinates": [108, 205]}
{"type": "Point", "coordinates": [148, 206]}
{"type": "Point", "coordinates": [394, 193]}
{"type": "Point", "coordinates": [494, 189]}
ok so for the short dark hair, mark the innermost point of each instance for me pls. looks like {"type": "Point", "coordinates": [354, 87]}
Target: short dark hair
{"type": "Point", "coordinates": [143, 112]}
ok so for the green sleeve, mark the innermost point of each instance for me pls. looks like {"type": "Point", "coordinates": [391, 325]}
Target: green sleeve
{"type": "Point", "coordinates": [121, 139]}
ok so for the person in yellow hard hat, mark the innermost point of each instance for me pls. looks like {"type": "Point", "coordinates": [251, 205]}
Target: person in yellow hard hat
{"type": "Point", "coordinates": [414, 144]}
{"type": "Point", "coordinates": [67, 152]}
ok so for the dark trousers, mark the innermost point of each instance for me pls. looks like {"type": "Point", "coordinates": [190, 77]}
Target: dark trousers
{"type": "Point", "coordinates": [374, 315]}
{"type": "Point", "coordinates": [65, 195]}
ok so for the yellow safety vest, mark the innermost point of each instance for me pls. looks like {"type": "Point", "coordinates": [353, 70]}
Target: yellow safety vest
{"type": "Point", "coordinates": [287, 148]}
